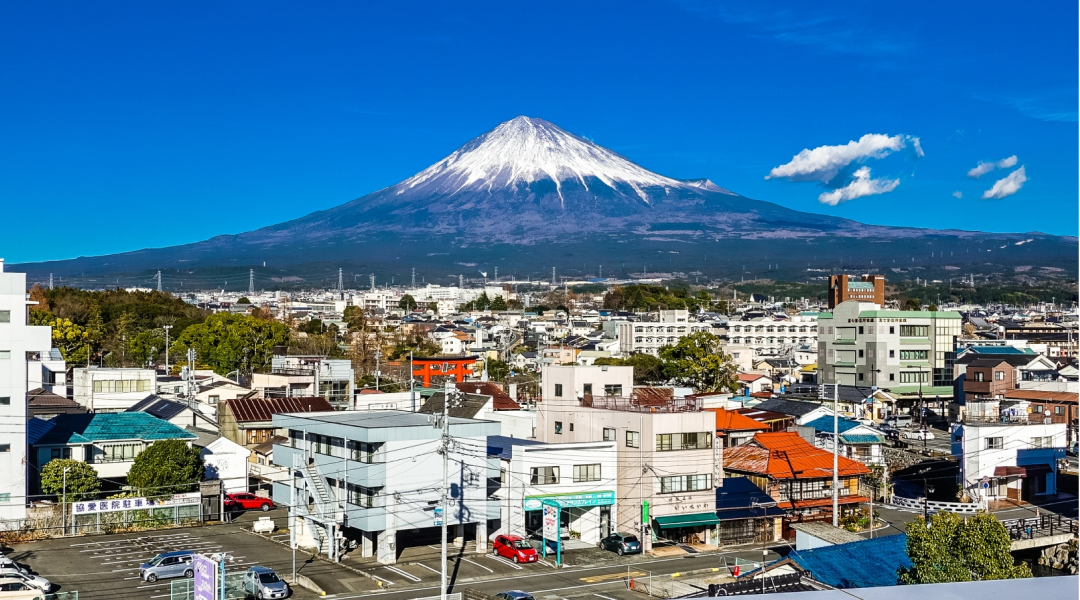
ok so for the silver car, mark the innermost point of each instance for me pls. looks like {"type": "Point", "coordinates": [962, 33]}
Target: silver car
{"type": "Point", "coordinates": [32, 580]}
{"type": "Point", "coordinates": [264, 583]}
{"type": "Point", "coordinates": [169, 564]}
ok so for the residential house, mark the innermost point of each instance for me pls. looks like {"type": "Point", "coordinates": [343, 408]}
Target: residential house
{"type": "Point", "coordinates": [109, 442]}
{"type": "Point", "coordinates": [746, 513]}
{"type": "Point", "coordinates": [249, 421]}
{"type": "Point", "coordinates": [775, 421]}
{"type": "Point", "coordinates": [857, 441]}
{"type": "Point", "coordinates": [797, 474]}
{"type": "Point", "coordinates": [1059, 407]}
{"type": "Point", "coordinates": [305, 377]}
{"type": "Point", "coordinates": [871, 563]}
{"type": "Point", "coordinates": [42, 404]}
{"type": "Point", "coordinates": [734, 429]}
{"type": "Point", "coordinates": [989, 378]}
{"type": "Point", "coordinates": [754, 383]}
{"type": "Point", "coordinates": [227, 461]}
{"type": "Point", "coordinates": [802, 411]}
{"type": "Point", "coordinates": [177, 413]}
{"type": "Point", "coordinates": [112, 389]}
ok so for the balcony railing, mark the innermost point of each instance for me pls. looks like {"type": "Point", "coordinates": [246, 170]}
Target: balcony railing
{"type": "Point", "coordinates": [294, 371]}
{"type": "Point", "coordinates": [641, 405]}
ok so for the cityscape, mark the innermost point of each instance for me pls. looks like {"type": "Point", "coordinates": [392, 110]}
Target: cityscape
{"type": "Point", "coordinates": [765, 335]}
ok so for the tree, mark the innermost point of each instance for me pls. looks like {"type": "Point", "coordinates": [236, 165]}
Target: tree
{"type": "Point", "coordinates": [146, 346]}
{"type": "Point", "coordinates": [82, 479]}
{"type": "Point", "coordinates": [953, 549]}
{"type": "Point", "coordinates": [497, 370]}
{"type": "Point", "coordinates": [243, 300]}
{"type": "Point", "coordinates": [932, 308]}
{"type": "Point", "coordinates": [498, 303]}
{"type": "Point", "coordinates": [647, 368]}
{"type": "Point", "coordinates": [912, 304]}
{"type": "Point", "coordinates": [168, 467]}
{"type": "Point", "coordinates": [407, 303]}
{"type": "Point", "coordinates": [698, 361]}
{"type": "Point", "coordinates": [227, 342]}
{"type": "Point", "coordinates": [483, 302]}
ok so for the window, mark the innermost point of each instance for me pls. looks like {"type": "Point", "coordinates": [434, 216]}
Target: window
{"type": "Point", "coordinates": [861, 330]}
{"type": "Point", "coordinates": [683, 441]}
{"type": "Point", "coordinates": [5, 497]}
{"type": "Point", "coordinates": [892, 330]}
{"type": "Point", "coordinates": [913, 354]}
{"type": "Point", "coordinates": [361, 496]}
{"type": "Point", "coordinates": [978, 376]}
{"type": "Point", "coordinates": [558, 427]}
{"type": "Point", "coordinates": [59, 453]}
{"type": "Point", "coordinates": [5, 316]}
{"type": "Point", "coordinates": [613, 390]}
{"type": "Point", "coordinates": [609, 434]}
{"type": "Point", "coordinates": [587, 389]}
{"type": "Point", "coordinates": [5, 447]}
{"type": "Point", "coordinates": [5, 354]}
{"type": "Point", "coordinates": [861, 354]}
{"type": "Point", "coordinates": [892, 376]}
{"type": "Point", "coordinates": [913, 377]}
{"type": "Point", "coordinates": [558, 390]}
{"type": "Point", "coordinates": [860, 377]}
{"type": "Point", "coordinates": [213, 399]}
{"type": "Point", "coordinates": [1059, 410]}
{"type": "Point", "coordinates": [114, 386]}
{"type": "Point", "coordinates": [1042, 442]}
{"type": "Point", "coordinates": [5, 400]}
{"type": "Point", "coordinates": [914, 331]}
{"type": "Point", "coordinates": [544, 475]}
{"type": "Point", "coordinates": [999, 375]}
{"type": "Point", "coordinates": [633, 439]}
{"type": "Point", "coordinates": [892, 353]}
{"type": "Point", "coordinates": [571, 427]}
{"type": "Point", "coordinates": [295, 437]}
{"type": "Point", "coordinates": [684, 483]}
{"type": "Point", "coordinates": [119, 452]}
{"type": "Point", "coordinates": [586, 473]}
{"type": "Point", "coordinates": [1036, 408]}
{"type": "Point", "coordinates": [994, 443]}
{"type": "Point", "coordinates": [364, 452]}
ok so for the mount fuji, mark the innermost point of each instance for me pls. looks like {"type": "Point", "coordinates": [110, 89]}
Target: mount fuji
{"type": "Point", "coordinates": [529, 193]}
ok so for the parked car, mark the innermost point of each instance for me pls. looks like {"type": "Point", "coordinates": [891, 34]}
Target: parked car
{"type": "Point", "coordinates": [169, 564]}
{"type": "Point", "coordinates": [15, 589]}
{"type": "Point", "coordinates": [898, 421]}
{"type": "Point", "coordinates": [33, 580]}
{"type": "Point", "coordinates": [514, 548]}
{"type": "Point", "coordinates": [247, 501]}
{"type": "Point", "coordinates": [919, 434]}
{"type": "Point", "coordinates": [621, 543]}
{"type": "Point", "coordinates": [262, 583]}
{"type": "Point", "coordinates": [514, 595]}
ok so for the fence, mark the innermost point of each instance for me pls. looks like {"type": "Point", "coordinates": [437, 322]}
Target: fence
{"type": "Point", "coordinates": [933, 506]}
{"type": "Point", "coordinates": [74, 595]}
{"type": "Point", "coordinates": [184, 589]}
{"type": "Point", "coordinates": [110, 522]}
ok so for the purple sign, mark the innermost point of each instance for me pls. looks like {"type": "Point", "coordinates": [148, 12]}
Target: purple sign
{"type": "Point", "coordinates": [205, 578]}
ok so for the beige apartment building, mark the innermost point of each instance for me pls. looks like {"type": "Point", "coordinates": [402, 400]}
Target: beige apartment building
{"type": "Point", "coordinates": [667, 458]}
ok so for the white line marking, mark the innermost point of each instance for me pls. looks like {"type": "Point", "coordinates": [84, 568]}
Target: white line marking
{"type": "Point", "coordinates": [429, 568]}
{"type": "Point", "coordinates": [604, 597]}
{"type": "Point", "coordinates": [408, 576]}
{"type": "Point", "coordinates": [503, 561]}
{"type": "Point", "coordinates": [477, 564]}
{"type": "Point", "coordinates": [386, 581]}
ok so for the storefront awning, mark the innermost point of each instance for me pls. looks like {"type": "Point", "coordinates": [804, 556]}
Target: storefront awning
{"type": "Point", "coordinates": [1025, 471]}
{"type": "Point", "coordinates": [691, 520]}
{"type": "Point", "coordinates": [579, 500]}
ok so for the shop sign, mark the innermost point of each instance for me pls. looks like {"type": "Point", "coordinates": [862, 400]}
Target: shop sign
{"type": "Point", "coordinates": [551, 522]}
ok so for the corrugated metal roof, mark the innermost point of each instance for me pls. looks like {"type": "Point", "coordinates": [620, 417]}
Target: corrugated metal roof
{"type": "Point", "coordinates": [729, 420]}
{"type": "Point", "coordinates": [866, 563]}
{"type": "Point", "coordinates": [261, 410]}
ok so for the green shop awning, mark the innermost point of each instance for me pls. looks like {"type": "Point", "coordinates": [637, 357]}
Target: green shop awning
{"type": "Point", "coordinates": [691, 520]}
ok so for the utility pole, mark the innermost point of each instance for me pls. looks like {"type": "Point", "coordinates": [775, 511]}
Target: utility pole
{"type": "Point", "coordinates": [251, 283]}
{"type": "Point", "coordinates": [167, 328]}
{"type": "Point", "coordinates": [450, 394]}
{"type": "Point", "coordinates": [50, 281]}
{"type": "Point", "coordinates": [414, 278]}
{"type": "Point", "coordinates": [158, 280]}
{"type": "Point", "coordinates": [836, 457]}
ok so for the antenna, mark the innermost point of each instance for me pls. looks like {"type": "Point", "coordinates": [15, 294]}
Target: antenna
{"type": "Point", "coordinates": [414, 277]}
{"type": "Point", "coordinates": [158, 280]}
{"type": "Point", "coordinates": [251, 282]}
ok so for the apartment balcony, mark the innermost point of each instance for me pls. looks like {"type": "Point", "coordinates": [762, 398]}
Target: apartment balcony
{"type": "Point", "coordinates": [641, 405]}
{"type": "Point", "coordinates": [357, 472]}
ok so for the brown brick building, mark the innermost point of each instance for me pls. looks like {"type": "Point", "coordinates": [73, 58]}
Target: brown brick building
{"type": "Point", "coordinates": [989, 378]}
{"type": "Point", "coordinates": [870, 288]}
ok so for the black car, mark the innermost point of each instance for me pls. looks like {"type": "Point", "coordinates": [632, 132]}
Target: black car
{"type": "Point", "coordinates": [622, 543]}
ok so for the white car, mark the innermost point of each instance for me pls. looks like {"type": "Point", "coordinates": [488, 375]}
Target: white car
{"type": "Point", "coordinates": [919, 435]}
{"type": "Point", "coordinates": [32, 580]}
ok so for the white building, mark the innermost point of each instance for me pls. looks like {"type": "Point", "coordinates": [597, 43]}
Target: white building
{"type": "Point", "coordinates": [105, 390]}
{"type": "Point", "coordinates": [1007, 457]}
{"type": "Point", "coordinates": [228, 462]}
{"type": "Point", "coordinates": [580, 476]}
{"type": "Point", "coordinates": [22, 347]}
{"type": "Point", "coordinates": [766, 335]}
{"type": "Point", "coordinates": [649, 337]}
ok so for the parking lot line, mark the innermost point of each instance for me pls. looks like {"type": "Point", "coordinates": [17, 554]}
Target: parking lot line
{"type": "Point", "coordinates": [477, 564]}
{"type": "Point", "coordinates": [504, 561]}
{"type": "Point", "coordinates": [408, 576]}
{"type": "Point", "coordinates": [429, 568]}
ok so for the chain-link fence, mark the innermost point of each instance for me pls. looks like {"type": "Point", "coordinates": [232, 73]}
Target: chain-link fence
{"type": "Point", "coordinates": [184, 589]}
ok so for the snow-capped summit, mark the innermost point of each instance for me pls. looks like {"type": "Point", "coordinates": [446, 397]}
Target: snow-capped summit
{"type": "Point", "coordinates": [523, 151]}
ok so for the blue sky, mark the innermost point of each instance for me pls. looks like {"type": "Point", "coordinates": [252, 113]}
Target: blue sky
{"type": "Point", "coordinates": [131, 125]}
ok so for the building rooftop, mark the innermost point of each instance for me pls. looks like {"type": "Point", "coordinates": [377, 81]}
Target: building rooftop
{"type": "Point", "coordinates": [826, 532]}
{"type": "Point", "coordinates": [786, 455]}
{"type": "Point", "coordinates": [374, 419]}
{"type": "Point", "coordinates": [503, 446]}
{"type": "Point", "coordinates": [729, 420]}
{"type": "Point", "coordinates": [857, 564]}
{"type": "Point", "coordinates": [262, 410]}
{"type": "Point", "coordinates": [101, 427]}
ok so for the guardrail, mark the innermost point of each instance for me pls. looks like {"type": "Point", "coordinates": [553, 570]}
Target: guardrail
{"type": "Point", "coordinates": [1041, 526]}
{"type": "Point", "coordinates": [933, 506]}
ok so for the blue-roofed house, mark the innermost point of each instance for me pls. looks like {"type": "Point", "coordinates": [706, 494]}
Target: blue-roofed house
{"type": "Point", "coordinates": [862, 564]}
{"type": "Point", "coordinates": [858, 441]}
{"type": "Point", "coordinates": [746, 513]}
{"type": "Point", "coordinates": [109, 442]}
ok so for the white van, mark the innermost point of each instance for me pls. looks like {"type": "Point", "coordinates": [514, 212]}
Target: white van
{"type": "Point", "coordinates": [898, 421]}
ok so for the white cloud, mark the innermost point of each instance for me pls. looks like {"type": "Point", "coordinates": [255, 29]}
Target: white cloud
{"type": "Point", "coordinates": [985, 167]}
{"type": "Point", "coordinates": [1008, 185]}
{"type": "Point", "coordinates": [824, 163]}
{"type": "Point", "coordinates": [861, 185]}
{"type": "Point", "coordinates": [958, 195]}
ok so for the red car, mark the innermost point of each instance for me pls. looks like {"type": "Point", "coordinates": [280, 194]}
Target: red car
{"type": "Point", "coordinates": [513, 547]}
{"type": "Point", "coordinates": [248, 501]}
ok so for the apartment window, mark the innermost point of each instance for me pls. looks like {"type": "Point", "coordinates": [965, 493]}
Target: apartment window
{"type": "Point", "coordinates": [5, 400]}
{"type": "Point", "coordinates": [683, 441]}
{"type": "Point", "coordinates": [633, 439]}
{"type": "Point", "coordinates": [861, 331]}
{"type": "Point", "coordinates": [5, 448]}
{"type": "Point", "coordinates": [587, 389]}
{"type": "Point", "coordinates": [5, 316]}
{"type": "Point", "coordinates": [558, 390]}
{"type": "Point", "coordinates": [213, 399]}
{"type": "Point", "coordinates": [613, 390]}
{"type": "Point", "coordinates": [5, 354]}
{"type": "Point", "coordinates": [1036, 408]}
{"type": "Point", "coordinates": [364, 452]}
{"type": "Point", "coordinates": [5, 497]}
{"type": "Point", "coordinates": [571, 427]}
{"type": "Point", "coordinates": [119, 452]}
{"type": "Point", "coordinates": [892, 330]}
{"type": "Point", "coordinates": [544, 475]}
{"type": "Point", "coordinates": [913, 354]}
{"type": "Point", "coordinates": [586, 473]}
{"type": "Point", "coordinates": [913, 377]}
{"type": "Point", "coordinates": [609, 434]}
{"type": "Point", "coordinates": [59, 453]}
{"type": "Point", "coordinates": [295, 438]}
{"type": "Point", "coordinates": [892, 376]}
{"type": "Point", "coordinates": [684, 483]}
{"type": "Point", "coordinates": [892, 353]}
{"type": "Point", "coordinates": [995, 443]}
{"type": "Point", "coordinates": [1042, 442]}
{"type": "Point", "coordinates": [1059, 410]}
{"type": "Point", "coordinates": [914, 331]}
{"type": "Point", "coordinates": [558, 427]}
{"type": "Point", "coordinates": [861, 354]}
{"type": "Point", "coordinates": [119, 386]}
{"type": "Point", "coordinates": [999, 375]}
{"type": "Point", "coordinates": [978, 376]}
{"type": "Point", "coordinates": [860, 377]}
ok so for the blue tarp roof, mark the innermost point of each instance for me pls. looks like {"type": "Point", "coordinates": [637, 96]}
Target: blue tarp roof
{"type": "Point", "coordinates": [826, 424]}
{"type": "Point", "coordinates": [503, 446]}
{"type": "Point", "coordinates": [868, 563]}
{"type": "Point", "coordinates": [86, 429]}
{"type": "Point", "coordinates": [739, 498]}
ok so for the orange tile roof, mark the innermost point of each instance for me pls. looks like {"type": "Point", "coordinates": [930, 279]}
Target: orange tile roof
{"type": "Point", "coordinates": [820, 502]}
{"type": "Point", "coordinates": [729, 420]}
{"type": "Point", "coordinates": [785, 455]}
{"type": "Point", "coordinates": [1041, 395]}
{"type": "Point", "coordinates": [750, 376]}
